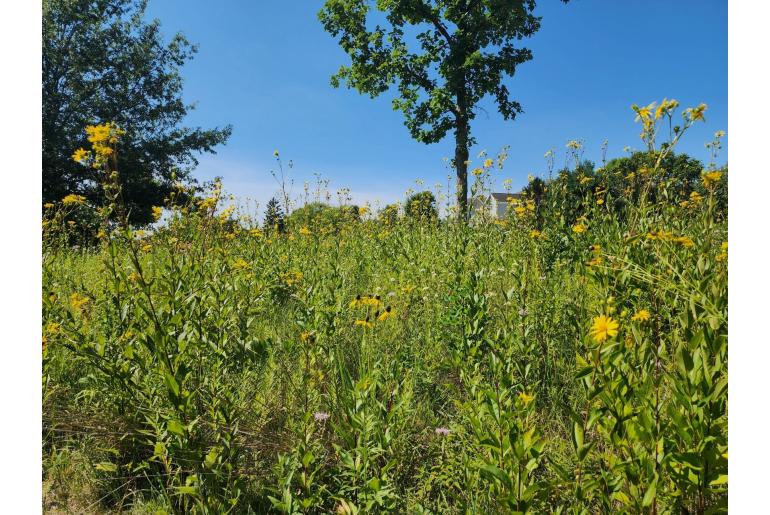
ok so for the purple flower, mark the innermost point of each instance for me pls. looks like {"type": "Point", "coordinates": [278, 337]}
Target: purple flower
{"type": "Point", "coordinates": [320, 416]}
{"type": "Point", "coordinates": [443, 431]}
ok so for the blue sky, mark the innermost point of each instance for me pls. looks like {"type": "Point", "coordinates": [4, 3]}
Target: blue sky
{"type": "Point", "coordinates": [264, 67]}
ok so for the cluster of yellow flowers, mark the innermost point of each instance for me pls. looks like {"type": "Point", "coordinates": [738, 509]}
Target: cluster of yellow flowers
{"type": "Point", "coordinates": [372, 302]}
{"type": "Point", "coordinates": [710, 179]}
{"type": "Point", "coordinates": [103, 138]}
{"type": "Point", "coordinates": [723, 255]}
{"type": "Point", "coordinates": [366, 301]}
{"type": "Point", "coordinates": [240, 264]}
{"type": "Point", "coordinates": [291, 278]}
{"type": "Point", "coordinates": [663, 235]}
{"type": "Point", "coordinates": [78, 301]}
{"type": "Point", "coordinates": [157, 212]}
{"type": "Point", "coordinates": [73, 199]}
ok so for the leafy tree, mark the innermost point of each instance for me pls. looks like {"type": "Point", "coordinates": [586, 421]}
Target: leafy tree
{"type": "Point", "coordinates": [274, 218]}
{"type": "Point", "coordinates": [466, 49]}
{"type": "Point", "coordinates": [389, 214]}
{"type": "Point", "coordinates": [318, 214]}
{"type": "Point", "coordinates": [421, 206]}
{"type": "Point", "coordinates": [102, 62]}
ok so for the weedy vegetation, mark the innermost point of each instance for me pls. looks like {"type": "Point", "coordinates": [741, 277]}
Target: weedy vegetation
{"type": "Point", "coordinates": [569, 358]}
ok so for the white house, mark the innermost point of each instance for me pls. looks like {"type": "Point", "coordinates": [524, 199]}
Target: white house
{"type": "Point", "coordinates": [495, 205]}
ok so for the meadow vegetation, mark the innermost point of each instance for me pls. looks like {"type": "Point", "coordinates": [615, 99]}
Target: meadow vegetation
{"type": "Point", "coordinates": [569, 358]}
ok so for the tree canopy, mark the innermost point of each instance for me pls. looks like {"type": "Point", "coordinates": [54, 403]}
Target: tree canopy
{"type": "Point", "coordinates": [103, 62]}
{"type": "Point", "coordinates": [444, 56]}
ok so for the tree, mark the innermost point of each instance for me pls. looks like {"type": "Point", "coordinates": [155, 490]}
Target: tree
{"type": "Point", "coordinates": [421, 207]}
{"type": "Point", "coordinates": [103, 63]}
{"type": "Point", "coordinates": [274, 219]}
{"type": "Point", "coordinates": [466, 49]}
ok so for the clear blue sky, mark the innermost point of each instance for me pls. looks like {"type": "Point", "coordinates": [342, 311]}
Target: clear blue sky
{"type": "Point", "coordinates": [264, 67]}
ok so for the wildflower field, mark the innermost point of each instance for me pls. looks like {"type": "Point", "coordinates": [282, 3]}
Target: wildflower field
{"type": "Point", "coordinates": [568, 358]}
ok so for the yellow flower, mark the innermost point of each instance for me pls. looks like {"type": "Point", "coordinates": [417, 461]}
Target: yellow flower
{"type": "Point", "coordinates": [696, 113]}
{"type": "Point", "coordinates": [535, 234]}
{"type": "Point", "coordinates": [307, 336]}
{"type": "Point", "coordinates": [81, 155]}
{"type": "Point", "coordinates": [304, 231]}
{"type": "Point", "coordinates": [146, 247]}
{"type": "Point", "coordinates": [641, 316]}
{"type": "Point", "coordinates": [477, 172]}
{"type": "Point", "coordinates": [366, 324]}
{"type": "Point", "coordinates": [685, 241]}
{"type": "Point", "coordinates": [256, 233]}
{"type": "Point", "coordinates": [488, 163]}
{"type": "Point", "coordinates": [386, 314]}
{"type": "Point", "coordinates": [73, 199]}
{"type": "Point", "coordinates": [78, 301]}
{"type": "Point", "coordinates": [600, 201]}
{"type": "Point", "coordinates": [240, 264]}
{"type": "Point", "coordinates": [48, 205]}
{"type": "Point", "coordinates": [711, 178]}
{"type": "Point", "coordinates": [53, 328]}
{"type": "Point", "coordinates": [579, 228]}
{"type": "Point", "coordinates": [723, 255]}
{"type": "Point", "coordinates": [520, 210]}
{"type": "Point", "coordinates": [526, 398]}
{"type": "Point", "coordinates": [695, 197]}
{"type": "Point", "coordinates": [604, 327]}
{"type": "Point", "coordinates": [363, 210]}
{"type": "Point", "coordinates": [157, 212]}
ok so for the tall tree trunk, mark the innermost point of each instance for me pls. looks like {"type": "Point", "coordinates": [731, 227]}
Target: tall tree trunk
{"type": "Point", "coordinates": [461, 166]}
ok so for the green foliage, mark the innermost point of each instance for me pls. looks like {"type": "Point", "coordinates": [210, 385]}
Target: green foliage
{"type": "Point", "coordinates": [323, 216]}
{"type": "Point", "coordinates": [555, 361]}
{"type": "Point", "coordinates": [443, 57]}
{"type": "Point", "coordinates": [102, 62]}
{"type": "Point", "coordinates": [421, 207]}
{"type": "Point", "coordinates": [274, 218]}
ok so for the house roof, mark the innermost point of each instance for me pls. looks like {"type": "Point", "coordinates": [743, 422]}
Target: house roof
{"type": "Point", "coordinates": [503, 197]}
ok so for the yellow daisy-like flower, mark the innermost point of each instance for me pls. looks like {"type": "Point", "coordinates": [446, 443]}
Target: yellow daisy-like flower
{"type": "Point", "coordinates": [520, 210]}
{"type": "Point", "coordinates": [696, 197]}
{"type": "Point", "coordinates": [147, 247]}
{"type": "Point", "coordinates": [600, 201]}
{"type": "Point", "coordinates": [385, 314]}
{"type": "Point", "coordinates": [579, 228]}
{"type": "Point", "coordinates": [364, 323]}
{"type": "Point", "coordinates": [157, 212]}
{"type": "Point", "coordinates": [488, 163]}
{"type": "Point", "coordinates": [526, 398]}
{"type": "Point", "coordinates": [81, 155]}
{"type": "Point", "coordinates": [73, 199]}
{"type": "Point", "coordinates": [604, 327]}
{"type": "Point", "coordinates": [535, 234]}
{"type": "Point", "coordinates": [711, 178]}
{"type": "Point", "coordinates": [641, 316]}
{"type": "Point", "coordinates": [477, 172]}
